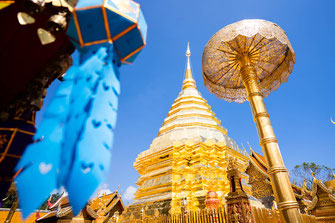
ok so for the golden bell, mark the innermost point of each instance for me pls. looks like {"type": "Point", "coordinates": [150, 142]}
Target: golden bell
{"type": "Point", "coordinates": [24, 18]}
{"type": "Point", "coordinates": [45, 36]}
{"type": "Point", "coordinates": [57, 23]}
{"type": "Point", "coordinates": [34, 6]}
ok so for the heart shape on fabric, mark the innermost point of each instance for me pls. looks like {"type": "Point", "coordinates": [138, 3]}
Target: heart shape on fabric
{"type": "Point", "coordinates": [86, 167]}
{"type": "Point", "coordinates": [105, 86]}
{"type": "Point", "coordinates": [44, 168]}
{"type": "Point", "coordinates": [96, 123]}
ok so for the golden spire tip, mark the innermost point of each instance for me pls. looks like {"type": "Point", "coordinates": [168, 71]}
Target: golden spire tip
{"type": "Point", "coordinates": [188, 51]}
{"type": "Point", "coordinates": [188, 81]}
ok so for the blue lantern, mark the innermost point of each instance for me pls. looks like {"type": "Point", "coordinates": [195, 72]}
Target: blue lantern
{"type": "Point", "coordinates": [120, 22]}
{"type": "Point", "coordinates": [75, 136]}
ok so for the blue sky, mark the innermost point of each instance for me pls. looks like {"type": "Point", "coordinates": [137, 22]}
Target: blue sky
{"type": "Point", "coordinates": [300, 109]}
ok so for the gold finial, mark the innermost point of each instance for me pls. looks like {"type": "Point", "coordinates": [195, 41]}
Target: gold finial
{"type": "Point", "coordinates": [243, 147]}
{"type": "Point", "coordinates": [232, 163]}
{"type": "Point", "coordinates": [189, 81]}
{"type": "Point", "coordinates": [188, 51]}
{"type": "Point", "coordinates": [249, 146]}
{"type": "Point", "coordinates": [305, 184]}
{"type": "Point", "coordinates": [331, 119]}
{"type": "Point", "coordinates": [312, 174]}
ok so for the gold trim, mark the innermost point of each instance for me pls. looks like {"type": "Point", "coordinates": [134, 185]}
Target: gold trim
{"type": "Point", "coordinates": [11, 155]}
{"type": "Point", "coordinates": [255, 94]}
{"type": "Point", "coordinates": [192, 115]}
{"type": "Point", "coordinates": [26, 132]}
{"type": "Point", "coordinates": [269, 140]}
{"type": "Point", "coordinates": [276, 169]}
{"type": "Point", "coordinates": [190, 102]}
{"type": "Point", "coordinates": [132, 53]}
{"type": "Point", "coordinates": [139, 29]}
{"type": "Point", "coordinates": [189, 108]}
{"type": "Point", "coordinates": [95, 42]}
{"type": "Point", "coordinates": [8, 145]}
{"type": "Point", "coordinates": [120, 13]}
{"type": "Point", "coordinates": [259, 157]}
{"type": "Point", "coordinates": [6, 179]}
{"type": "Point", "coordinates": [87, 7]}
{"type": "Point", "coordinates": [192, 124]}
{"type": "Point", "coordinates": [126, 62]}
{"type": "Point", "coordinates": [34, 117]}
{"type": "Point", "coordinates": [189, 97]}
{"type": "Point", "coordinates": [7, 129]}
{"type": "Point", "coordinates": [261, 114]}
{"type": "Point", "coordinates": [106, 24]}
{"type": "Point", "coordinates": [138, 16]}
{"type": "Point", "coordinates": [81, 42]}
{"type": "Point", "coordinates": [287, 205]}
{"type": "Point", "coordinates": [16, 129]}
{"type": "Point", "coordinates": [124, 32]}
{"type": "Point", "coordinates": [259, 169]}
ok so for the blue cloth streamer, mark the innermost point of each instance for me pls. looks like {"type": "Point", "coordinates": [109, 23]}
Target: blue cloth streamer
{"type": "Point", "coordinates": [74, 140]}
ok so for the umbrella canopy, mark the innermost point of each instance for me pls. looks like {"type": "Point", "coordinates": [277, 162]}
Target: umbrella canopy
{"type": "Point", "coordinates": [268, 48]}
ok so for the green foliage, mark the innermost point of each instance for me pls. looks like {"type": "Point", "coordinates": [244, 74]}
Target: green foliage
{"type": "Point", "coordinates": [303, 171]}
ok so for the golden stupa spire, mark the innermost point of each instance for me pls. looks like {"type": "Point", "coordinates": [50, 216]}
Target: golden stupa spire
{"type": "Point", "coordinates": [189, 81]}
{"type": "Point", "coordinates": [190, 110]}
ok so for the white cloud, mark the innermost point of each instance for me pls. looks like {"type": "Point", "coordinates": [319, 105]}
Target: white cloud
{"type": "Point", "coordinates": [101, 190]}
{"type": "Point", "coordinates": [105, 191]}
{"type": "Point", "coordinates": [129, 194]}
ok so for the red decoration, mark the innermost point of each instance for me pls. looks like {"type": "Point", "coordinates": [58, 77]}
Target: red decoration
{"type": "Point", "coordinates": [212, 200]}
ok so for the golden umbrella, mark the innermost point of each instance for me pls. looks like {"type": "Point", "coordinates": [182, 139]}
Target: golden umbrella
{"type": "Point", "coordinates": [247, 60]}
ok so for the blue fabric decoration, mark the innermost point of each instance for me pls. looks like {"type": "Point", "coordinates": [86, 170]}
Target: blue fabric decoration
{"type": "Point", "coordinates": [75, 135]}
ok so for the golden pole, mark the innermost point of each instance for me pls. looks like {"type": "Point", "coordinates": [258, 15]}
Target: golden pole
{"type": "Point", "coordinates": [286, 201]}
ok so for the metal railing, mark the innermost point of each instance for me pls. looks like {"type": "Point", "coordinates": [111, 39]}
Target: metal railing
{"type": "Point", "coordinates": [260, 215]}
{"type": "Point", "coordinates": [204, 216]}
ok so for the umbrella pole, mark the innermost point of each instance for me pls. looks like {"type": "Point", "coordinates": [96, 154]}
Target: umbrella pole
{"type": "Point", "coordinates": [281, 185]}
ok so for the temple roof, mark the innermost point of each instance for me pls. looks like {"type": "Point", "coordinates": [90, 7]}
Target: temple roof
{"type": "Point", "coordinates": [62, 207]}
{"type": "Point", "coordinates": [317, 188]}
{"type": "Point", "coordinates": [190, 118]}
{"type": "Point", "coordinates": [259, 161]}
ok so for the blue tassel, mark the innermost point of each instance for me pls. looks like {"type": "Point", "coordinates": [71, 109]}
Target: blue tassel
{"type": "Point", "coordinates": [76, 134]}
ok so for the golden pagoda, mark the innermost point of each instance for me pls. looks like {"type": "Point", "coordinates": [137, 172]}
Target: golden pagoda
{"type": "Point", "coordinates": [187, 159]}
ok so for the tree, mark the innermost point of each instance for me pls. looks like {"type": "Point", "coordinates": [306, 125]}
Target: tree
{"type": "Point", "coordinates": [303, 171]}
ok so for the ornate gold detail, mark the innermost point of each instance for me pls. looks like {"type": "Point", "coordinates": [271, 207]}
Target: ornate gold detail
{"type": "Point", "coordinates": [182, 164]}
{"type": "Point", "coordinates": [232, 163]}
{"type": "Point", "coordinates": [268, 48]}
{"type": "Point", "coordinates": [276, 169]}
{"type": "Point", "coordinates": [242, 61]}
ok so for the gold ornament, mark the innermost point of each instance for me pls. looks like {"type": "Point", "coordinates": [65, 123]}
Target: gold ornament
{"type": "Point", "coordinates": [248, 60]}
